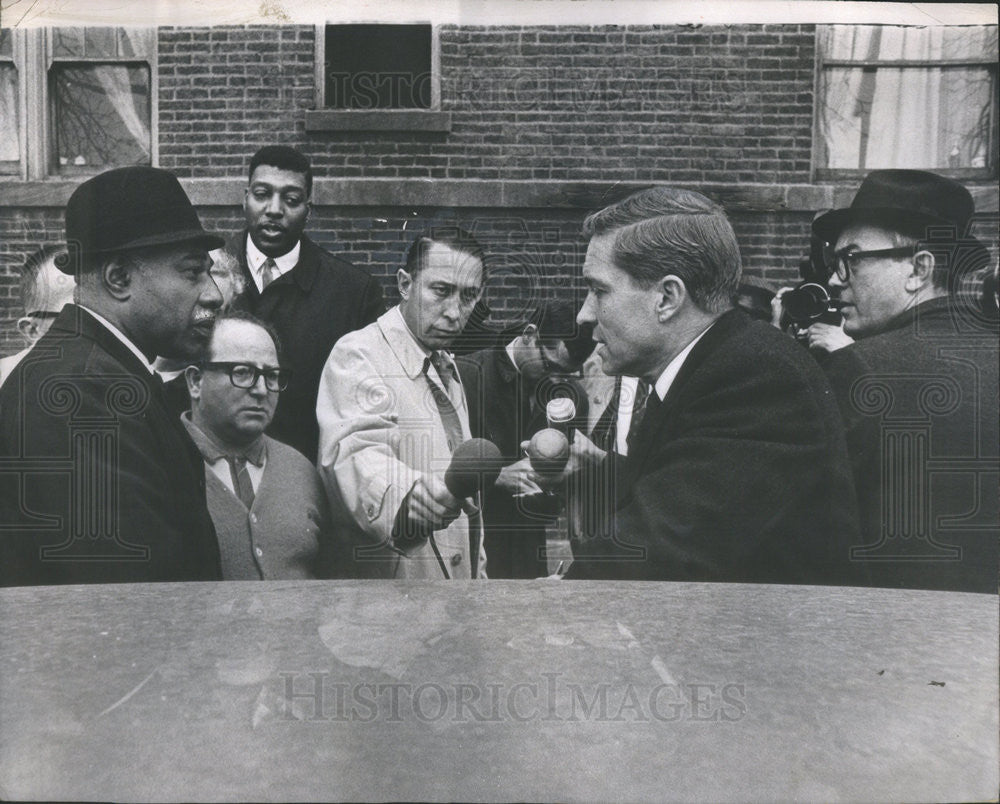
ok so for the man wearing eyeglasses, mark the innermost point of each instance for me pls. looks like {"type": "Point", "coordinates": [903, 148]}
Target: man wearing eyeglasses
{"type": "Point", "coordinates": [266, 500]}
{"type": "Point", "coordinates": [918, 390]}
{"type": "Point", "coordinates": [44, 291]}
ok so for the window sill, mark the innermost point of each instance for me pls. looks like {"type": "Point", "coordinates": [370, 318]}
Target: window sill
{"type": "Point", "coordinates": [320, 120]}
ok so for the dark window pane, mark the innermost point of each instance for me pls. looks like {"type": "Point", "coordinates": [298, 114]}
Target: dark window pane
{"type": "Point", "coordinates": [6, 43]}
{"type": "Point", "coordinates": [10, 144]}
{"type": "Point", "coordinates": [100, 115]}
{"type": "Point", "coordinates": [99, 42]}
{"type": "Point", "coordinates": [378, 66]}
{"type": "Point", "coordinates": [67, 42]}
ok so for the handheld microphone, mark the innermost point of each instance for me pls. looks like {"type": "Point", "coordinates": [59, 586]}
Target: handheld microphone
{"type": "Point", "coordinates": [548, 452]}
{"type": "Point", "coordinates": [475, 464]}
{"type": "Point", "coordinates": [559, 413]}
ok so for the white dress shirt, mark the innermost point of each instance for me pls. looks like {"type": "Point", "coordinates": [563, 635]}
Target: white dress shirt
{"type": "Point", "coordinates": [282, 265]}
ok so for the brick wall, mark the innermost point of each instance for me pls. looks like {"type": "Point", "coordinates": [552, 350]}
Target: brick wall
{"type": "Point", "coordinates": [729, 106]}
{"type": "Point", "coordinates": [717, 103]}
{"type": "Point", "coordinates": [532, 253]}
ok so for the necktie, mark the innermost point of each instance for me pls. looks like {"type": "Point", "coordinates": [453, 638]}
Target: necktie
{"type": "Point", "coordinates": [604, 432]}
{"type": "Point", "coordinates": [267, 272]}
{"type": "Point", "coordinates": [241, 480]}
{"type": "Point", "coordinates": [449, 416]}
{"type": "Point", "coordinates": [638, 411]}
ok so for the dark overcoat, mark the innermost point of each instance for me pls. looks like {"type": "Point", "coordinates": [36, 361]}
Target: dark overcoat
{"type": "Point", "coordinates": [740, 474]}
{"type": "Point", "coordinates": [919, 400]}
{"type": "Point", "coordinates": [99, 482]}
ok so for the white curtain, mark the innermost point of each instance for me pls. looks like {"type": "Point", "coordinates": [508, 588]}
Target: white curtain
{"type": "Point", "coordinates": [906, 117]}
{"type": "Point", "coordinates": [10, 145]}
{"type": "Point", "coordinates": [114, 80]}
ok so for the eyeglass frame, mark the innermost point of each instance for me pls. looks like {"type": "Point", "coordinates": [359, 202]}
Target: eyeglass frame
{"type": "Point", "coordinates": [229, 366]}
{"type": "Point", "coordinates": [841, 260]}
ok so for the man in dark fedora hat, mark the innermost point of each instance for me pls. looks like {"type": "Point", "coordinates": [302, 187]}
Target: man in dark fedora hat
{"type": "Point", "coordinates": [98, 481]}
{"type": "Point", "coordinates": [918, 390]}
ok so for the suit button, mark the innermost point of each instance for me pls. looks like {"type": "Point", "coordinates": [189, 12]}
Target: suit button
{"type": "Point", "coordinates": [456, 559]}
{"type": "Point", "coordinates": [253, 518]}
{"type": "Point", "coordinates": [258, 551]}
{"type": "Point", "coordinates": [371, 510]}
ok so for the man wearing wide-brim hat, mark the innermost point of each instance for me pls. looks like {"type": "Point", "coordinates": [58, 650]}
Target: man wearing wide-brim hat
{"type": "Point", "coordinates": [100, 482]}
{"type": "Point", "coordinates": [918, 390]}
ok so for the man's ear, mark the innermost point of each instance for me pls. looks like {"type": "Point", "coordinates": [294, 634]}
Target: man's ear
{"type": "Point", "coordinates": [28, 328]}
{"type": "Point", "coordinates": [117, 276]}
{"type": "Point", "coordinates": [192, 376]}
{"type": "Point", "coordinates": [671, 295]}
{"type": "Point", "coordinates": [923, 272]}
{"type": "Point", "coordinates": [404, 282]}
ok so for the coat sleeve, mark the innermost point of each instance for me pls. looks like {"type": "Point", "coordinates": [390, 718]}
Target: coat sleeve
{"type": "Point", "coordinates": [357, 410]}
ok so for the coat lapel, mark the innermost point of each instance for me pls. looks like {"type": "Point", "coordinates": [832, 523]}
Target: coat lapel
{"type": "Point", "coordinates": [655, 420]}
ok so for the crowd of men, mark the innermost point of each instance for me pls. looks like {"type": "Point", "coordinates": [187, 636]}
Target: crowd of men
{"type": "Point", "coordinates": [203, 409]}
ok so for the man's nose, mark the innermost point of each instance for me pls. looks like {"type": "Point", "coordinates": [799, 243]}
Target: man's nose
{"type": "Point", "coordinates": [586, 314]}
{"type": "Point", "coordinates": [273, 206]}
{"type": "Point", "coordinates": [453, 308]}
{"type": "Point", "coordinates": [259, 387]}
{"type": "Point", "coordinates": [835, 281]}
{"type": "Point", "coordinates": [211, 297]}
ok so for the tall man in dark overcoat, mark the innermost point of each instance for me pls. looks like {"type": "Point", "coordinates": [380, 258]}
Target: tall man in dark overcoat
{"type": "Point", "coordinates": [311, 297]}
{"type": "Point", "coordinates": [738, 471]}
{"type": "Point", "coordinates": [99, 482]}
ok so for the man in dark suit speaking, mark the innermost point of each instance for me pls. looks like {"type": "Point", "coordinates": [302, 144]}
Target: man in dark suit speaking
{"type": "Point", "coordinates": [99, 482]}
{"type": "Point", "coordinates": [310, 297]}
{"type": "Point", "coordinates": [738, 471]}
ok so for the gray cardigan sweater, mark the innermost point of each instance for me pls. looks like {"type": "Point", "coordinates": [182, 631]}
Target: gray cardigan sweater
{"type": "Point", "coordinates": [286, 534]}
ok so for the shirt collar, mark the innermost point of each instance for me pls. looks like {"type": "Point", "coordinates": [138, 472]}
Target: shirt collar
{"type": "Point", "coordinates": [666, 379]}
{"type": "Point", "coordinates": [122, 337]}
{"type": "Point", "coordinates": [256, 258]}
{"type": "Point", "coordinates": [212, 452]}
{"type": "Point", "coordinates": [412, 355]}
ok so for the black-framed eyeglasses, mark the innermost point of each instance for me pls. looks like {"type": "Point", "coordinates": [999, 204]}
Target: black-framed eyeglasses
{"type": "Point", "coordinates": [841, 262]}
{"type": "Point", "coordinates": [44, 314]}
{"type": "Point", "coordinates": [244, 375]}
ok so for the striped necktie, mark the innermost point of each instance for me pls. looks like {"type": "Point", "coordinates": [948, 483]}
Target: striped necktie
{"type": "Point", "coordinates": [449, 416]}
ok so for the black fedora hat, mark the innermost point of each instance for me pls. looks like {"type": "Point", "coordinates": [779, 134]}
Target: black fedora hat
{"type": "Point", "coordinates": [133, 207]}
{"type": "Point", "coordinates": [908, 200]}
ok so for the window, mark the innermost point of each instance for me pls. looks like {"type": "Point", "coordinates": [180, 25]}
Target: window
{"type": "Point", "coordinates": [10, 117]}
{"type": "Point", "coordinates": [378, 67]}
{"type": "Point", "coordinates": [904, 97]}
{"type": "Point", "coordinates": [88, 97]}
{"type": "Point", "coordinates": [373, 77]}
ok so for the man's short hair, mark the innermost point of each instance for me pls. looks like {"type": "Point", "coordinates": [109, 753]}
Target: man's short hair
{"type": "Point", "coordinates": [33, 296]}
{"type": "Point", "coordinates": [453, 237]}
{"type": "Point", "coordinates": [664, 230]}
{"type": "Point", "coordinates": [284, 158]}
{"type": "Point", "coordinates": [250, 318]}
